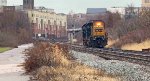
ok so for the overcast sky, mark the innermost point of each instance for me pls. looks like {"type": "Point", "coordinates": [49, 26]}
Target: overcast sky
{"type": "Point", "coordinates": [78, 6]}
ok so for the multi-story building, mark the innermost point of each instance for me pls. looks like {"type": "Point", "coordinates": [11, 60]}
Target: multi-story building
{"type": "Point", "coordinates": [7, 9]}
{"type": "Point", "coordinates": [145, 3]}
{"type": "Point", "coordinates": [96, 14]}
{"type": "Point", "coordinates": [47, 24]}
{"type": "Point", "coordinates": [28, 4]}
{"type": "Point", "coordinates": [76, 20]}
{"type": "Point", "coordinates": [96, 10]}
{"type": "Point", "coordinates": [3, 3]}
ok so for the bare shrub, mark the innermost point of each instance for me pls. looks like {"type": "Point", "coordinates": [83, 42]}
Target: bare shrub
{"type": "Point", "coordinates": [53, 62]}
{"type": "Point", "coordinates": [15, 29]}
{"type": "Point", "coordinates": [45, 54]}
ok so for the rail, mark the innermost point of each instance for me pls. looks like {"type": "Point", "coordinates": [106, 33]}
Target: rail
{"type": "Point", "coordinates": [138, 57]}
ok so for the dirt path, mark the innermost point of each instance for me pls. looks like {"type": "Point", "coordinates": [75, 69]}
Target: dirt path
{"type": "Point", "coordinates": [9, 64]}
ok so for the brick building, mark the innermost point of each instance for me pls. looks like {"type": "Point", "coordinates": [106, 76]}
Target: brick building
{"type": "Point", "coordinates": [48, 24]}
{"type": "Point", "coordinates": [7, 9]}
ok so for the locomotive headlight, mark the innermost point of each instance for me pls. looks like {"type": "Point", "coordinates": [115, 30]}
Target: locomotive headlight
{"type": "Point", "coordinates": [99, 24]}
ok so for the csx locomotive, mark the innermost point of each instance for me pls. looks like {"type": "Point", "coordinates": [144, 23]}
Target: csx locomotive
{"type": "Point", "coordinates": [94, 34]}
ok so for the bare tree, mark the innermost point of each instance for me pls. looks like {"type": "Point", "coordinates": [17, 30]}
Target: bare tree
{"type": "Point", "coordinates": [15, 25]}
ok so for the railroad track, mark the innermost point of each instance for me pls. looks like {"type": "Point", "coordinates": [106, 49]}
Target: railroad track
{"type": "Point", "coordinates": [138, 57]}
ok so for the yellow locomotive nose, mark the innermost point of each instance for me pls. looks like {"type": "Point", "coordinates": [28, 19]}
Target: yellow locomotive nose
{"type": "Point", "coordinates": [98, 28]}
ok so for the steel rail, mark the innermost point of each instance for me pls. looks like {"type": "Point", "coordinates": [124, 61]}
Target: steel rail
{"type": "Point", "coordinates": [137, 57]}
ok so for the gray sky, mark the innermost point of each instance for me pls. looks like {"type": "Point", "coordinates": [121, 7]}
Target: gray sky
{"type": "Point", "coordinates": [78, 6]}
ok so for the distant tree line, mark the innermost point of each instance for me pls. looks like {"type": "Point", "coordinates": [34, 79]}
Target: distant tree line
{"type": "Point", "coordinates": [132, 30]}
{"type": "Point", "coordinates": [15, 28]}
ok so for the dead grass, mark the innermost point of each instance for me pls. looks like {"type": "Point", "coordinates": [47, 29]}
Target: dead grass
{"type": "Point", "coordinates": [137, 46]}
{"type": "Point", "coordinates": [111, 43]}
{"type": "Point", "coordinates": [76, 73]}
{"type": "Point", "coordinates": [53, 62]}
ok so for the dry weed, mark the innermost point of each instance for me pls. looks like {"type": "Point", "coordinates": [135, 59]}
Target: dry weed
{"type": "Point", "coordinates": [53, 62]}
{"type": "Point", "coordinates": [137, 46]}
{"type": "Point", "coordinates": [45, 54]}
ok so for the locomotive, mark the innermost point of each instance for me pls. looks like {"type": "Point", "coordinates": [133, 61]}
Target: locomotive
{"type": "Point", "coordinates": [94, 34]}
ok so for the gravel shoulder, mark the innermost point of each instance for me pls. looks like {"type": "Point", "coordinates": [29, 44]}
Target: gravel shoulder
{"type": "Point", "coordinates": [9, 64]}
{"type": "Point", "coordinates": [125, 70]}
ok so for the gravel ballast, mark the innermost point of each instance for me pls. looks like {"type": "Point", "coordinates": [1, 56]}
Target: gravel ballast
{"type": "Point", "coordinates": [125, 70]}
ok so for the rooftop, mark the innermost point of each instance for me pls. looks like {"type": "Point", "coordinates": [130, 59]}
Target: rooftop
{"type": "Point", "coordinates": [96, 10]}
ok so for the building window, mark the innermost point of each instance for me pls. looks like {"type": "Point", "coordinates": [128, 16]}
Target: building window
{"type": "Point", "coordinates": [32, 15]}
{"type": "Point", "coordinates": [27, 15]}
{"type": "Point", "coordinates": [39, 26]}
{"type": "Point", "coordinates": [36, 20]}
{"type": "Point", "coordinates": [60, 23]}
{"type": "Point", "coordinates": [42, 24]}
{"type": "Point", "coordinates": [65, 24]}
{"type": "Point", "coordinates": [49, 23]}
{"type": "Point", "coordinates": [55, 23]}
